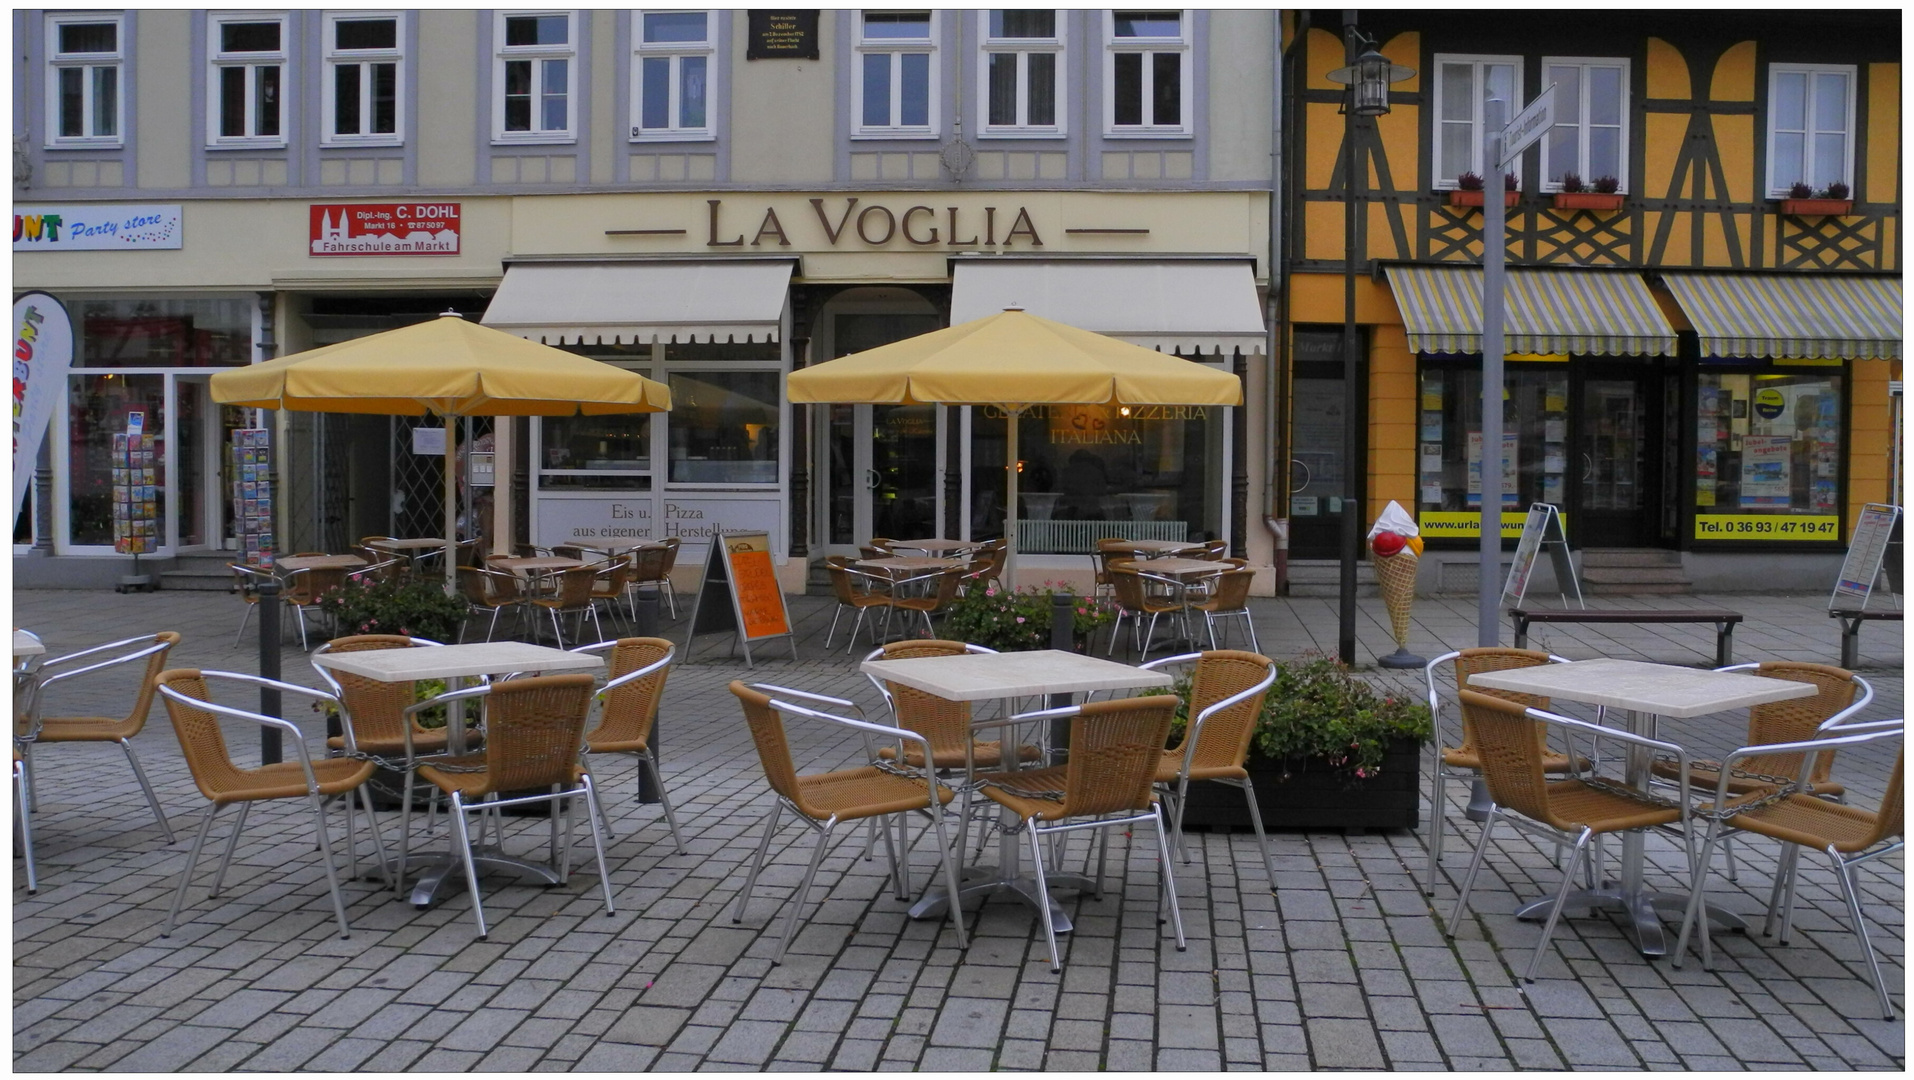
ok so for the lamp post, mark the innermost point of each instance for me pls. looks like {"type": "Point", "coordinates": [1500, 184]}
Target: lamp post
{"type": "Point", "coordinates": [1368, 75]}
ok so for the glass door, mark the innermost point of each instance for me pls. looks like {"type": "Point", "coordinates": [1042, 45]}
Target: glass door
{"type": "Point", "coordinates": [1317, 471]}
{"type": "Point", "coordinates": [1619, 480]}
{"type": "Point", "coordinates": [880, 461]}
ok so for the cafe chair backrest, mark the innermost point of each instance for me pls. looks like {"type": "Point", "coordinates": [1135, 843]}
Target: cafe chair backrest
{"type": "Point", "coordinates": [1510, 748]}
{"type": "Point", "coordinates": [774, 749]}
{"type": "Point", "coordinates": [534, 729]}
{"type": "Point", "coordinates": [631, 710]}
{"type": "Point", "coordinates": [1115, 747]}
{"type": "Point", "coordinates": [1220, 674]}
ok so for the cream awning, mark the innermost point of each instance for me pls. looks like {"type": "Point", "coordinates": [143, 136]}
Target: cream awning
{"type": "Point", "coordinates": [1794, 316]}
{"type": "Point", "coordinates": [1173, 305]}
{"type": "Point", "coordinates": [599, 303]}
{"type": "Point", "coordinates": [1589, 312]}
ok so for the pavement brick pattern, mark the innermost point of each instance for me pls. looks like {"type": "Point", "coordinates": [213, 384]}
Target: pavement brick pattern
{"type": "Point", "coordinates": [1339, 963]}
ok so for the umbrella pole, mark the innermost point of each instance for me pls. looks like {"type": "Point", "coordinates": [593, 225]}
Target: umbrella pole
{"type": "Point", "coordinates": [1012, 414]}
{"type": "Point", "coordinates": [451, 507]}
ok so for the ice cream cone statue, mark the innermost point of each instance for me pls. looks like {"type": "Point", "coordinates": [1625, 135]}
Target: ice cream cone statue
{"type": "Point", "coordinates": [1396, 547]}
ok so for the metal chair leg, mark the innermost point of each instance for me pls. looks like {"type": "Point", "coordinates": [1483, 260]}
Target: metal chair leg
{"type": "Point", "coordinates": [463, 840]}
{"type": "Point", "coordinates": [1043, 894]}
{"type": "Point", "coordinates": [243, 620]}
{"type": "Point", "coordinates": [405, 834]}
{"type": "Point", "coordinates": [1475, 865]}
{"type": "Point", "coordinates": [332, 877]}
{"type": "Point", "coordinates": [597, 842]}
{"type": "Point", "coordinates": [950, 876]}
{"type": "Point", "coordinates": [757, 863]}
{"type": "Point", "coordinates": [186, 872]}
{"type": "Point", "coordinates": [25, 826]}
{"type": "Point", "coordinates": [664, 800]}
{"type": "Point", "coordinates": [152, 800]}
{"type": "Point", "coordinates": [804, 891]}
{"type": "Point", "coordinates": [1853, 896]}
{"type": "Point", "coordinates": [1693, 916]}
{"type": "Point", "coordinates": [1438, 814]}
{"type": "Point", "coordinates": [1262, 843]}
{"type": "Point", "coordinates": [1166, 868]}
{"type": "Point", "coordinates": [232, 844]}
{"type": "Point", "coordinates": [1561, 898]}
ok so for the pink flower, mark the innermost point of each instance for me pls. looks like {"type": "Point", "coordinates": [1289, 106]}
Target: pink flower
{"type": "Point", "coordinates": [1362, 774]}
{"type": "Point", "coordinates": [1020, 618]}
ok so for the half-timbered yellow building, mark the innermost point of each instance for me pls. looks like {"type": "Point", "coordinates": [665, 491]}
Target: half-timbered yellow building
{"type": "Point", "coordinates": [1704, 297]}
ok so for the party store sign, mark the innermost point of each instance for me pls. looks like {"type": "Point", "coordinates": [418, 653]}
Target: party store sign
{"type": "Point", "coordinates": [97, 227]}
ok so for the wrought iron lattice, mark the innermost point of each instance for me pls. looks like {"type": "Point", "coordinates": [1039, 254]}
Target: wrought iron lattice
{"type": "Point", "coordinates": [418, 480]}
{"type": "Point", "coordinates": [332, 450]}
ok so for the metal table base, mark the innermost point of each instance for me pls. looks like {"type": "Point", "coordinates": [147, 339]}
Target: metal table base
{"type": "Point", "coordinates": [450, 868]}
{"type": "Point", "coordinates": [985, 881]}
{"type": "Point", "coordinates": [1644, 910]}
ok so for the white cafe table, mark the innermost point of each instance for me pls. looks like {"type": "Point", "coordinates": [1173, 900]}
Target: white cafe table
{"type": "Point", "coordinates": [1642, 691]}
{"type": "Point", "coordinates": [319, 562]}
{"type": "Point", "coordinates": [27, 643]}
{"type": "Point", "coordinates": [1153, 549]}
{"type": "Point", "coordinates": [995, 676]}
{"type": "Point", "coordinates": [1189, 574]}
{"type": "Point", "coordinates": [937, 546]}
{"type": "Point", "coordinates": [454, 663]}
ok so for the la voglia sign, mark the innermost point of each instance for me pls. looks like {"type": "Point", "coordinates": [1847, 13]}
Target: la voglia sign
{"type": "Point", "coordinates": [876, 225]}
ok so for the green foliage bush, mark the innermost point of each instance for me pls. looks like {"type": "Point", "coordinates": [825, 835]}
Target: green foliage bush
{"type": "Point", "coordinates": [413, 607]}
{"type": "Point", "coordinates": [1019, 621]}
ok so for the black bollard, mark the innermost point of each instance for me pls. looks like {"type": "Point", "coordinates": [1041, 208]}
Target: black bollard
{"type": "Point", "coordinates": [646, 623]}
{"type": "Point", "coordinates": [270, 750]}
{"type": "Point", "coordinates": [1063, 638]}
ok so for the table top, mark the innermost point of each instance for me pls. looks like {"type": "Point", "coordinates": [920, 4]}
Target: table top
{"type": "Point", "coordinates": [537, 562]}
{"type": "Point", "coordinates": [25, 643]}
{"type": "Point", "coordinates": [912, 564]}
{"type": "Point", "coordinates": [932, 546]}
{"type": "Point", "coordinates": [1182, 567]}
{"type": "Point", "coordinates": [454, 661]}
{"type": "Point", "coordinates": [1662, 689]}
{"type": "Point", "coordinates": [986, 676]}
{"type": "Point", "coordinates": [320, 562]}
{"type": "Point", "coordinates": [1152, 548]}
{"type": "Point", "coordinates": [411, 544]}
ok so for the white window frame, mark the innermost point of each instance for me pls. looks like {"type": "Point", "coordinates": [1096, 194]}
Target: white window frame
{"type": "Point", "coordinates": [1057, 46]}
{"type": "Point", "coordinates": [1583, 64]}
{"type": "Point", "coordinates": [363, 59]}
{"type": "Point", "coordinates": [1476, 134]}
{"type": "Point", "coordinates": [896, 47]}
{"type": "Point", "coordinates": [675, 51]}
{"type": "Point", "coordinates": [1778, 184]}
{"type": "Point", "coordinates": [1182, 43]}
{"type": "Point", "coordinates": [217, 61]}
{"type": "Point", "coordinates": [58, 62]}
{"type": "Point", "coordinates": [502, 53]}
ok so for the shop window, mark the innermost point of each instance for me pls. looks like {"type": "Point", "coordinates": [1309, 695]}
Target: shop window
{"type": "Point", "coordinates": [1810, 126]}
{"type": "Point", "coordinates": [1768, 447]}
{"type": "Point", "coordinates": [1472, 96]}
{"type": "Point", "coordinates": [894, 88]}
{"type": "Point", "coordinates": [1590, 136]}
{"type": "Point", "coordinates": [535, 75]}
{"type": "Point", "coordinates": [245, 98]}
{"type": "Point", "coordinates": [1449, 453]}
{"type": "Point", "coordinates": [85, 57]}
{"type": "Point", "coordinates": [98, 407]}
{"type": "Point", "coordinates": [671, 75]}
{"type": "Point", "coordinates": [1147, 73]}
{"type": "Point", "coordinates": [1021, 59]}
{"type": "Point", "coordinates": [724, 426]}
{"type": "Point", "coordinates": [364, 73]}
{"type": "Point", "coordinates": [596, 452]}
{"type": "Point", "coordinates": [163, 333]}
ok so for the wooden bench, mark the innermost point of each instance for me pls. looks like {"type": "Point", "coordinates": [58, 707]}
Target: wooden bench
{"type": "Point", "coordinates": [1724, 622]}
{"type": "Point", "coordinates": [1851, 621]}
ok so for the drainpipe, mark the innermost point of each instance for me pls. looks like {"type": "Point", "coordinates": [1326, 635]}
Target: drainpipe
{"type": "Point", "coordinates": [1276, 394]}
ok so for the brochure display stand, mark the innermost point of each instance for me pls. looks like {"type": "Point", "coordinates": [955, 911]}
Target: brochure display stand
{"type": "Point", "coordinates": [135, 501]}
{"type": "Point", "coordinates": [1542, 529]}
{"type": "Point", "coordinates": [253, 495]}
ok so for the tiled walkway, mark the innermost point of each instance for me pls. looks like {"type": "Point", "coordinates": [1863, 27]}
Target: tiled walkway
{"type": "Point", "coordinates": [1343, 963]}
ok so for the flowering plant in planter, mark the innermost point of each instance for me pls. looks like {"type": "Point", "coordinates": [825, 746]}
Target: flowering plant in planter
{"type": "Point", "coordinates": [413, 608]}
{"type": "Point", "coordinates": [1317, 714]}
{"type": "Point", "coordinates": [1468, 181]}
{"type": "Point", "coordinates": [1019, 621]}
{"type": "Point", "coordinates": [1607, 185]}
{"type": "Point", "coordinates": [1831, 201]}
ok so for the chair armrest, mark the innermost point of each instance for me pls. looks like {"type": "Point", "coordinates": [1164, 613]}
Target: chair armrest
{"type": "Point", "coordinates": [634, 676]}
{"type": "Point", "coordinates": [1168, 660]}
{"type": "Point", "coordinates": [1845, 718]}
{"type": "Point", "coordinates": [284, 726]}
{"type": "Point", "coordinates": [37, 693]}
{"type": "Point", "coordinates": [1598, 732]}
{"type": "Point", "coordinates": [899, 734]}
{"type": "Point", "coordinates": [1809, 749]}
{"type": "Point", "coordinates": [773, 689]}
{"type": "Point", "coordinates": [56, 661]}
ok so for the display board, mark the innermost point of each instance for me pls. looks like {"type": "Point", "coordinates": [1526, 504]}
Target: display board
{"type": "Point", "coordinates": [1867, 549]}
{"type": "Point", "coordinates": [253, 495]}
{"type": "Point", "coordinates": [1542, 529]}
{"type": "Point", "coordinates": [135, 491]}
{"type": "Point", "coordinates": [739, 592]}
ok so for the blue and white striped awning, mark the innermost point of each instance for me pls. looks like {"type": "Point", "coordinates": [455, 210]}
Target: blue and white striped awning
{"type": "Point", "coordinates": [1793, 316]}
{"type": "Point", "coordinates": [1586, 312]}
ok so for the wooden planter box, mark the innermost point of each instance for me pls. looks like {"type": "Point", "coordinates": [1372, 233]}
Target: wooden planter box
{"type": "Point", "coordinates": [1316, 796]}
{"type": "Point", "coordinates": [1817, 207]}
{"type": "Point", "coordinates": [1474, 198]}
{"type": "Point", "coordinates": [1587, 200]}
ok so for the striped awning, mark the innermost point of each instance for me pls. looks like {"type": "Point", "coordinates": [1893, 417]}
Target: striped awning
{"type": "Point", "coordinates": [1587, 312]}
{"type": "Point", "coordinates": [1794, 316]}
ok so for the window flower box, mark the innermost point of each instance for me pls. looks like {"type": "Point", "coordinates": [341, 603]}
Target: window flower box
{"type": "Point", "coordinates": [1817, 207]}
{"type": "Point", "coordinates": [1474, 198]}
{"type": "Point", "coordinates": [1587, 200]}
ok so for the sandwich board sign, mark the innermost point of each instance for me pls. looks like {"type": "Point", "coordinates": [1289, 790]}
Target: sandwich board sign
{"type": "Point", "coordinates": [740, 593]}
{"type": "Point", "coordinates": [1541, 529]}
{"type": "Point", "coordinates": [1867, 549]}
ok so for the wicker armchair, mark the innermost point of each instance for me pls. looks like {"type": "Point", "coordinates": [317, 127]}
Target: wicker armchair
{"type": "Point", "coordinates": [1227, 696]}
{"type": "Point", "coordinates": [1133, 601]}
{"type": "Point", "coordinates": [574, 597]}
{"type": "Point", "coordinates": [1228, 599]}
{"type": "Point", "coordinates": [246, 581]}
{"type": "Point", "coordinates": [1110, 549]}
{"type": "Point", "coordinates": [626, 720]}
{"type": "Point", "coordinates": [490, 592]}
{"type": "Point", "coordinates": [1510, 742]}
{"type": "Point", "coordinates": [857, 590]}
{"type": "Point", "coordinates": [304, 588]}
{"type": "Point", "coordinates": [223, 782]}
{"type": "Point", "coordinates": [931, 602]}
{"type": "Point", "coordinates": [534, 739]}
{"type": "Point", "coordinates": [821, 800]}
{"type": "Point", "coordinates": [1115, 747]}
{"type": "Point", "coordinates": [1460, 761]}
{"type": "Point", "coordinates": [612, 582]}
{"type": "Point", "coordinates": [651, 569]}
{"type": "Point", "coordinates": [373, 726]}
{"type": "Point", "coordinates": [1799, 819]}
{"type": "Point", "coordinates": [32, 727]}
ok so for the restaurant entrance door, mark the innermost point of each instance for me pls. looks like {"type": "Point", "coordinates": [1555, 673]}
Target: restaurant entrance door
{"type": "Point", "coordinates": [880, 461]}
{"type": "Point", "coordinates": [1619, 451]}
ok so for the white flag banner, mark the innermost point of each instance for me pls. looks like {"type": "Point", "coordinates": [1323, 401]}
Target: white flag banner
{"type": "Point", "coordinates": [42, 355]}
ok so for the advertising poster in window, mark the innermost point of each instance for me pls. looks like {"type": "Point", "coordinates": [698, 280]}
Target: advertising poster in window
{"type": "Point", "coordinates": [1766, 476]}
{"type": "Point", "coordinates": [1510, 442]}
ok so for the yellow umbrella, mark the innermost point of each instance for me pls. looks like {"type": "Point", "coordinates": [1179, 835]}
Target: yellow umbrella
{"type": "Point", "coordinates": [447, 367]}
{"type": "Point", "coordinates": [1014, 360]}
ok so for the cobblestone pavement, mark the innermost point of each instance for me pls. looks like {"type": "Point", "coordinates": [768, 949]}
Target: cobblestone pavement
{"type": "Point", "coordinates": [1340, 962]}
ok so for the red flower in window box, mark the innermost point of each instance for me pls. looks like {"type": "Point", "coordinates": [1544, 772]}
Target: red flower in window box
{"type": "Point", "coordinates": [1474, 198]}
{"type": "Point", "coordinates": [1587, 200]}
{"type": "Point", "coordinates": [1817, 207]}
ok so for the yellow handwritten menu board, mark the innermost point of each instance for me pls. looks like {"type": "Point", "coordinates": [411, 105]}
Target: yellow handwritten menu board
{"type": "Point", "coordinates": [740, 593]}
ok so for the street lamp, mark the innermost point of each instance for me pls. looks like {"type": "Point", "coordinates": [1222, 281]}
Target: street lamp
{"type": "Point", "coordinates": [1368, 76]}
